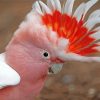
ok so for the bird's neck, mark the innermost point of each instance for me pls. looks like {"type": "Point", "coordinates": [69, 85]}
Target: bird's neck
{"type": "Point", "coordinates": [32, 80]}
{"type": "Point", "coordinates": [22, 91]}
{"type": "Point", "coordinates": [32, 73]}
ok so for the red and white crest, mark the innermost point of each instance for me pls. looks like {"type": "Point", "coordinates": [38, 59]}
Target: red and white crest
{"type": "Point", "coordinates": [68, 33]}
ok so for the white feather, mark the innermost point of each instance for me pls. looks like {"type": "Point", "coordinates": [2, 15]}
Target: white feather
{"type": "Point", "coordinates": [69, 7]}
{"type": "Point", "coordinates": [51, 4]}
{"type": "Point", "coordinates": [95, 14]}
{"type": "Point", "coordinates": [89, 4]}
{"type": "Point", "coordinates": [57, 5]}
{"type": "Point", "coordinates": [62, 43]}
{"type": "Point", "coordinates": [53, 37]}
{"type": "Point", "coordinates": [45, 8]}
{"type": "Point", "coordinates": [36, 7]}
{"type": "Point", "coordinates": [75, 57]}
{"type": "Point", "coordinates": [97, 28]}
{"type": "Point", "coordinates": [92, 22]}
{"type": "Point", "coordinates": [79, 11]}
{"type": "Point", "coordinates": [8, 76]}
{"type": "Point", "coordinates": [96, 35]}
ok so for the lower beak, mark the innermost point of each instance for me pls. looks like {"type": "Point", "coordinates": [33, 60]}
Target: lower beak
{"type": "Point", "coordinates": [55, 68]}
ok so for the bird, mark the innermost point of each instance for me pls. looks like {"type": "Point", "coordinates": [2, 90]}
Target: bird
{"type": "Point", "coordinates": [50, 35]}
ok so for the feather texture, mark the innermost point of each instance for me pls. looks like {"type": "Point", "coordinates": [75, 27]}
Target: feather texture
{"type": "Point", "coordinates": [51, 4]}
{"type": "Point", "coordinates": [45, 8]}
{"type": "Point", "coordinates": [76, 57]}
{"type": "Point", "coordinates": [68, 7]}
{"type": "Point", "coordinates": [61, 23]}
{"type": "Point", "coordinates": [8, 76]}
{"type": "Point", "coordinates": [89, 4]}
{"type": "Point", "coordinates": [94, 14]}
{"type": "Point", "coordinates": [57, 5]}
{"type": "Point", "coordinates": [36, 7]}
{"type": "Point", "coordinates": [92, 22]}
{"type": "Point", "coordinates": [79, 12]}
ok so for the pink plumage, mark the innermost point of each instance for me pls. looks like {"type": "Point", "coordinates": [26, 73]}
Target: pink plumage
{"type": "Point", "coordinates": [46, 39]}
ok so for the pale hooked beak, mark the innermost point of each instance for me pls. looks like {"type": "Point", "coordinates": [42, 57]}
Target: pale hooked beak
{"type": "Point", "coordinates": [55, 68]}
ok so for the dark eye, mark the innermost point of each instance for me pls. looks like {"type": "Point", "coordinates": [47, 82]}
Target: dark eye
{"type": "Point", "coordinates": [46, 55]}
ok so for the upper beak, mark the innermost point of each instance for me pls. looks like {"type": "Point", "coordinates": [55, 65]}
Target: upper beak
{"type": "Point", "coordinates": [55, 68]}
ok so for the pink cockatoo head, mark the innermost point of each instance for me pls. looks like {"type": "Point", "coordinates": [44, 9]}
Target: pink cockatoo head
{"type": "Point", "coordinates": [32, 52]}
{"type": "Point", "coordinates": [34, 44]}
{"type": "Point", "coordinates": [51, 35]}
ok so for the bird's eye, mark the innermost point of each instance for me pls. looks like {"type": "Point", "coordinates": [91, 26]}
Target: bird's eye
{"type": "Point", "coordinates": [46, 54]}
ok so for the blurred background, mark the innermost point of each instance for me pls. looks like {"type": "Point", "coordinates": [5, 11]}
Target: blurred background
{"type": "Point", "coordinates": [77, 81]}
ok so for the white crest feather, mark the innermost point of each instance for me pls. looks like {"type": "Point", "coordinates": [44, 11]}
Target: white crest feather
{"type": "Point", "coordinates": [51, 4]}
{"type": "Point", "coordinates": [76, 57]}
{"type": "Point", "coordinates": [97, 28]}
{"type": "Point", "coordinates": [79, 11]}
{"type": "Point", "coordinates": [45, 8]}
{"type": "Point", "coordinates": [96, 35]}
{"type": "Point", "coordinates": [94, 14]}
{"type": "Point", "coordinates": [89, 4]}
{"type": "Point", "coordinates": [53, 37]}
{"type": "Point", "coordinates": [63, 43]}
{"type": "Point", "coordinates": [37, 8]}
{"type": "Point", "coordinates": [58, 5]}
{"type": "Point", "coordinates": [68, 7]}
{"type": "Point", "coordinates": [92, 22]}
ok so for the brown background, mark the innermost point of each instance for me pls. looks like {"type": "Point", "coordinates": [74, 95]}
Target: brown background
{"type": "Point", "coordinates": [77, 81]}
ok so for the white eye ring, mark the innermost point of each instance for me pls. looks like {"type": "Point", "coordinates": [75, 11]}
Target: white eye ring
{"type": "Point", "coordinates": [46, 54]}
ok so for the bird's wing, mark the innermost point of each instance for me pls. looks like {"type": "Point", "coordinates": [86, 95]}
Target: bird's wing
{"type": "Point", "coordinates": [8, 76]}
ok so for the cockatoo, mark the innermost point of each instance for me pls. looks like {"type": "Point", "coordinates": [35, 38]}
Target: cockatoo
{"type": "Point", "coordinates": [49, 36]}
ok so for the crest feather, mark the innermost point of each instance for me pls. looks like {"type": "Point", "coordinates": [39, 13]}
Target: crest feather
{"type": "Point", "coordinates": [77, 36]}
{"type": "Point", "coordinates": [68, 7]}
